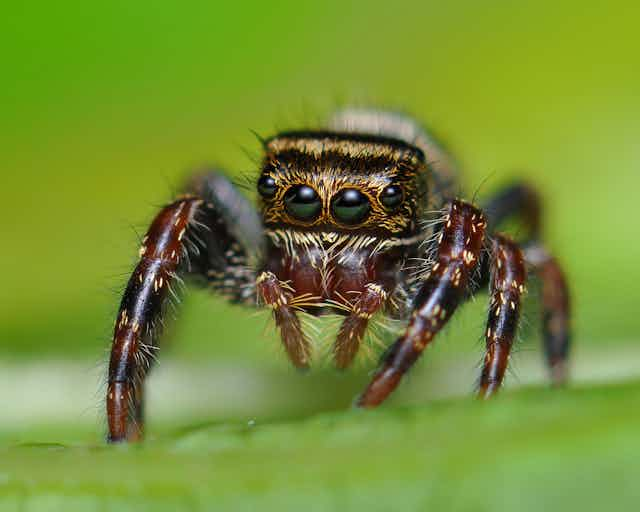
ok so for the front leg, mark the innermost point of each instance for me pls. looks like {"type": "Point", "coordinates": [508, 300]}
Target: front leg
{"type": "Point", "coordinates": [199, 235]}
{"type": "Point", "coordinates": [163, 249]}
{"type": "Point", "coordinates": [459, 250]}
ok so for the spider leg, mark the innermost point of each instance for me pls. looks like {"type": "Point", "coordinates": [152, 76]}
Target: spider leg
{"type": "Point", "coordinates": [556, 328]}
{"type": "Point", "coordinates": [519, 199]}
{"type": "Point", "coordinates": [276, 295]}
{"type": "Point", "coordinates": [192, 236]}
{"type": "Point", "coordinates": [459, 250]}
{"type": "Point", "coordinates": [508, 278]}
{"type": "Point", "coordinates": [523, 200]}
{"type": "Point", "coordinates": [354, 326]}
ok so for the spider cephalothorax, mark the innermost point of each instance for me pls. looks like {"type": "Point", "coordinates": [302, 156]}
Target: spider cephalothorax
{"type": "Point", "coordinates": [344, 182]}
{"type": "Point", "coordinates": [357, 219]}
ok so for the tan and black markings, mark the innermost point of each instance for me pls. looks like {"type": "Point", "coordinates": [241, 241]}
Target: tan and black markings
{"type": "Point", "coordinates": [357, 219]}
{"type": "Point", "coordinates": [342, 172]}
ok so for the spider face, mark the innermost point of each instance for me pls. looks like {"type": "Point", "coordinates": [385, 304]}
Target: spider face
{"type": "Point", "coordinates": [341, 182]}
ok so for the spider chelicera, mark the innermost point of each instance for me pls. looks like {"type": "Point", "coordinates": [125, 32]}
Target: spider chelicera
{"type": "Point", "coordinates": [355, 219]}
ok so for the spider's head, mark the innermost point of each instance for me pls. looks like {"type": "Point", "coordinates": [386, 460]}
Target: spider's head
{"type": "Point", "coordinates": [335, 182]}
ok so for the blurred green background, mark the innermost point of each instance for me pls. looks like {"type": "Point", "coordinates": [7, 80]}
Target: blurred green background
{"type": "Point", "coordinates": [105, 108]}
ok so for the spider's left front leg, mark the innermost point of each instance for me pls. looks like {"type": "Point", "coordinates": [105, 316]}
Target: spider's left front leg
{"type": "Point", "coordinates": [459, 250]}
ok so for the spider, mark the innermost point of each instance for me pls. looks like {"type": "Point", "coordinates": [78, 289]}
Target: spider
{"type": "Point", "coordinates": [356, 218]}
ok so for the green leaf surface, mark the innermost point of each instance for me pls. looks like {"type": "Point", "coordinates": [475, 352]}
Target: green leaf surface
{"type": "Point", "coordinates": [536, 449]}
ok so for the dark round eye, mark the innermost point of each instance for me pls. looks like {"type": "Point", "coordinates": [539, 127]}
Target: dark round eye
{"type": "Point", "coordinates": [302, 202]}
{"type": "Point", "coordinates": [391, 197]}
{"type": "Point", "coordinates": [350, 206]}
{"type": "Point", "coordinates": [267, 186]}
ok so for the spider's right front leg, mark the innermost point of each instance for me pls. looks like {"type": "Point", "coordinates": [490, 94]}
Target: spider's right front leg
{"type": "Point", "coordinates": [191, 236]}
{"type": "Point", "coordinates": [161, 253]}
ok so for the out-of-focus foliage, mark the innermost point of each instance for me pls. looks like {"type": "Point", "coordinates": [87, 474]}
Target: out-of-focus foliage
{"type": "Point", "coordinates": [105, 108]}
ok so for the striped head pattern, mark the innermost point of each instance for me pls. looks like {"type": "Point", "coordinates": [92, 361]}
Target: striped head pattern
{"type": "Point", "coordinates": [346, 182]}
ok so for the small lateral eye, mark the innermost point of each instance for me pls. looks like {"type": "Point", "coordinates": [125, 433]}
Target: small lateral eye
{"type": "Point", "coordinates": [302, 202]}
{"type": "Point", "coordinates": [267, 186]}
{"type": "Point", "coordinates": [391, 197]}
{"type": "Point", "coordinates": [350, 206]}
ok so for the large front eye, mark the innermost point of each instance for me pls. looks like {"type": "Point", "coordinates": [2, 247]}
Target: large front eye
{"type": "Point", "coordinates": [350, 206]}
{"type": "Point", "coordinates": [302, 202]}
{"type": "Point", "coordinates": [267, 186]}
{"type": "Point", "coordinates": [391, 197]}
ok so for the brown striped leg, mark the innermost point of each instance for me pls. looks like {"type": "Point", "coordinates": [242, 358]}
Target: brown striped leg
{"type": "Point", "coordinates": [198, 235]}
{"type": "Point", "coordinates": [459, 250]}
{"type": "Point", "coordinates": [508, 280]}
{"type": "Point", "coordinates": [355, 325]}
{"type": "Point", "coordinates": [523, 201]}
{"type": "Point", "coordinates": [141, 308]}
{"type": "Point", "coordinates": [556, 313]}
{"type": "Point", "coordinates": [275, 294]}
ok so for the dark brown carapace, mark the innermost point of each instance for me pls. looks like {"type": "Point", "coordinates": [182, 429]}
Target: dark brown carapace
{"type": "Point", "coordinates": [357, 219]}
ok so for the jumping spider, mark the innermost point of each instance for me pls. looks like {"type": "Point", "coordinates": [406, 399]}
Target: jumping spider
{"type": "Point", "coordinates": [356, 218]}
